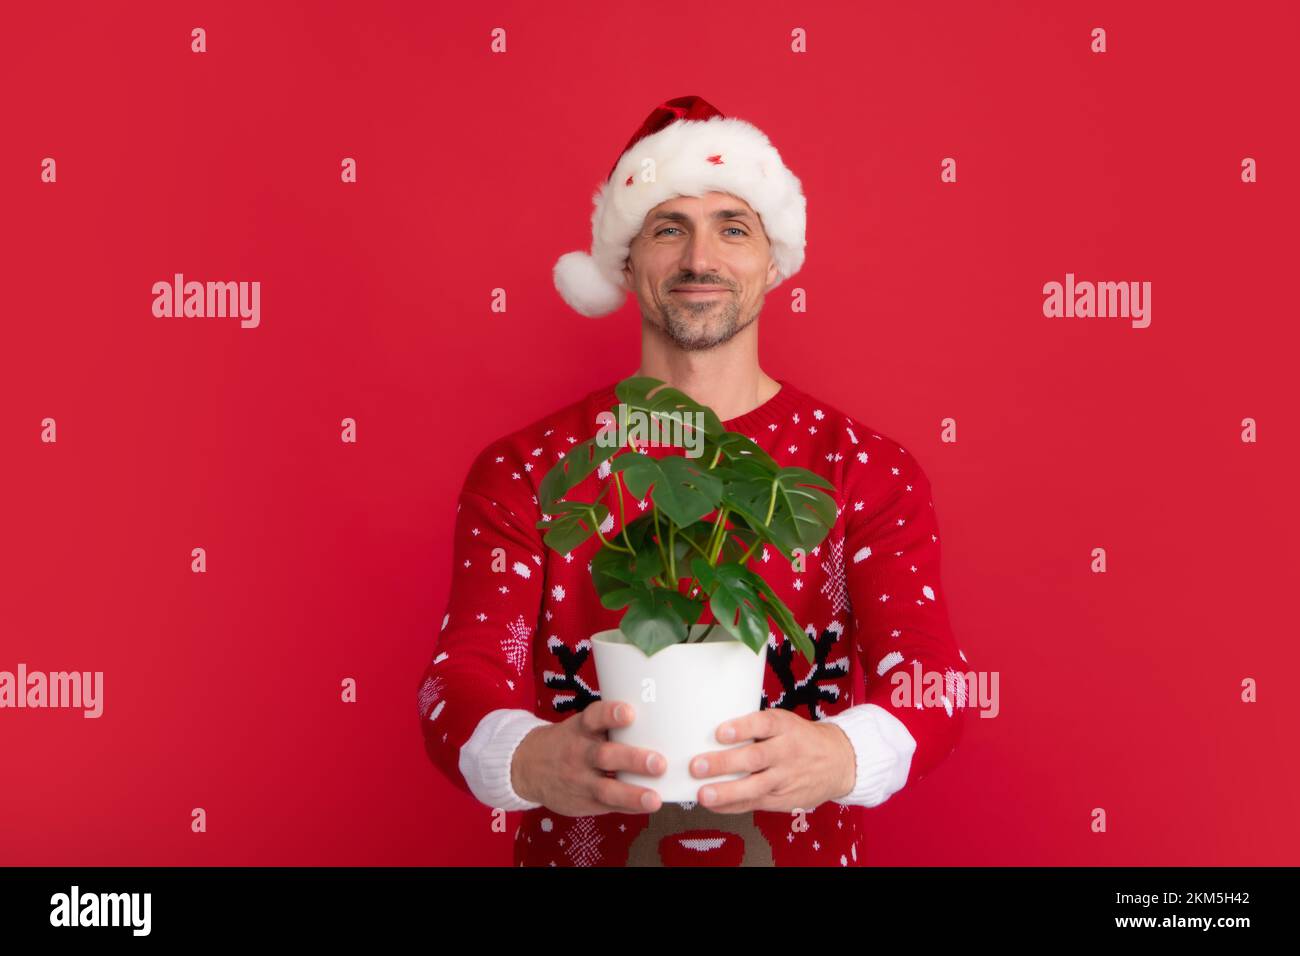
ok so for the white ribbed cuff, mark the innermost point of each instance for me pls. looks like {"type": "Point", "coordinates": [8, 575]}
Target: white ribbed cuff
{"type": "Point", "coordinates": [485, 759]}
{"type": "Point", "coordinates": [882, 747]}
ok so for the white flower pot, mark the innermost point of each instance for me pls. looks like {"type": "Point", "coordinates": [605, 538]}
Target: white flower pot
{"type": "Point", "coordinates": [680, 696]}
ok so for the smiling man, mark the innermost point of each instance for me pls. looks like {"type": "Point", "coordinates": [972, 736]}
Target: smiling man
{"type": "Point", "coordinates": [700, 219]}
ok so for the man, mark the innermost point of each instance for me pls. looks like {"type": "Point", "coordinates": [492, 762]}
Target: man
{"type": "Point", "coordinates": [700, 218]}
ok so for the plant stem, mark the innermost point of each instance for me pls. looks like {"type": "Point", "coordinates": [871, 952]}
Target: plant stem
{"type": "Point", "coordinates": [702, 553]}
{"type": "Point", "coordinates": [659, 541]}
{"type": "Point", "coordinates": [672, 556]}
{"type": "Point", "coordinates": [622, 518]}
{"type": "Point", "coordinates": [713, 533]}
{"type": "Point", "coordinates": [721, 537]}
{"type": "Point", "coordinates": [610, 544]}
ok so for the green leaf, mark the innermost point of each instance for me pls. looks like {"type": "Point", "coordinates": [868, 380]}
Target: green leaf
{"type": "Point", "coordinates": [682, 488]}
{"type": "Point", "coordinates": [698, 533]}
{"type": "Point", "coordinates": [657, 618]}
{"type": "Point", "coordinates": [567, 473]}
{"type": "Point", "coordinates": [613, 570]}
{"type": "Point", "coordinates": [737, 541]}
{"type": "Point", "coordinates": [618, 597]}
{"type": "Point", "coordinates": [639, 471]}
{"type": "Point", "coordinates": [744, 471]}
{"type": "Point", "coordinates": [735, 498]}
{"type": "Point", "coordinates": [802, 514]}
{"type": "Point", "coordinates": [671, 408]}
{"type": "Point", "coordinates": [575, 522]}
{"type": "Point", "coordinates": [734, 601]}
{"type": "Point", "coordinates": [781, 615]}
{"type": "Point", "coordinates": [736, 447]}
{"type": "Point", "coordinates": [807, 477]}
{"type": "Point", "coordinates": [689, 492]}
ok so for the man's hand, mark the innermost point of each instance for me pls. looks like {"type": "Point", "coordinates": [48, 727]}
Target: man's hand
{"type": "Point", "coordinates": [793, 763]}
{"type": "Point", "coordinates": [567, 767]}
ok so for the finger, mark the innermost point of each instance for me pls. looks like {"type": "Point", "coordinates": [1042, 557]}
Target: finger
{"type": "Point", "coordinates": [759, 724]}
{"type": "Point", "coordinates": [603, 714]}
{"type": "Point", "coordinates": [625, 797]}
{"type": "Point", "coordinates": [738, 796]}
{"type": "Point", "coordinates": [608, 755]}
{"type": "Point", "coordinates": [744, 759]}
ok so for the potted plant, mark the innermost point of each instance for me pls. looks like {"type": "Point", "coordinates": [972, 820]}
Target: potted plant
{"type": "Point", "coordinates": [681, 562]}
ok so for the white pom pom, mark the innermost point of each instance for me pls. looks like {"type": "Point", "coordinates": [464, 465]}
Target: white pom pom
{"type": "Point", "coordinates": [582, 285]}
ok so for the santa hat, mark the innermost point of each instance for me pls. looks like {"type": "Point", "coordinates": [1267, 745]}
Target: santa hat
{"type": "Point", "coordinates": [695, 150]}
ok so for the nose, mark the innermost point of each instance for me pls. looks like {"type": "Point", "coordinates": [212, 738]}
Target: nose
{"type": "Point", "coordinates": [699, 254]}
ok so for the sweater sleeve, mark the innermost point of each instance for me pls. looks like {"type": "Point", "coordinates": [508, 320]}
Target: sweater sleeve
{"type": "Point", "coordinates": [482, 656]}
{"type": "Point", "coordinates": [882, 753]}
{"type": "Point", "coordinates": [901, 625]}
{"type": "Point", "coordinates": [485, 759]}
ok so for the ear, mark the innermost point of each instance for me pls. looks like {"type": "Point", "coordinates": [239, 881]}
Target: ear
{"type": "Point", "coordinates": [773, 275]}
{"type": "Point", "coordinates": [627, 263]}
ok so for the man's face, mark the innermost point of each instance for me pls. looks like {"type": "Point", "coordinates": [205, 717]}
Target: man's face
{"type": "Point", "coordinates": [700, 268]}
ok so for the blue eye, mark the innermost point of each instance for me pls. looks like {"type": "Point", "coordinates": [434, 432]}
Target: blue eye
{"type": "Point", "coordinates": [729, 228]}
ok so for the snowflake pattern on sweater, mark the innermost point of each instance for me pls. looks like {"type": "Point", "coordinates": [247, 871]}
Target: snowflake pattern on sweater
{"type": "Point", "coordinates": [517, 632]}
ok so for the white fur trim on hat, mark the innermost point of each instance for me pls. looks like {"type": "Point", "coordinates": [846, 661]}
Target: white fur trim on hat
{"type": "Point", "coordinates": [690, 158]}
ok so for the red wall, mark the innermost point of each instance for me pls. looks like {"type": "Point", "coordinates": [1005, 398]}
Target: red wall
{"type": "Point", "coordinates": [475, 171]}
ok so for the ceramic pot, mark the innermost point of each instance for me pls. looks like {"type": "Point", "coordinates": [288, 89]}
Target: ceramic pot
{"type": "Point", "coordinates": [680, 694]}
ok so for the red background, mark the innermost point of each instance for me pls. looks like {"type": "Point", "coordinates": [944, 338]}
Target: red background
{"type": "Point", "coordinates": [327, 560]}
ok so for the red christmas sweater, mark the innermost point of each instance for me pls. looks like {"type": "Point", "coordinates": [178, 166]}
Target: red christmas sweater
{"type": "Point", "coordinates": [514, 647]}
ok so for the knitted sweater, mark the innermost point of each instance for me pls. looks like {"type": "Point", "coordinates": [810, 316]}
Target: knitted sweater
{"type": "Point", "coordinates": [514, 649]}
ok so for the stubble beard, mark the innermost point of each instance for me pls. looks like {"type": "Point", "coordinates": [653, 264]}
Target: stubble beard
{"type": "Point", "coordinates": [703, 326]}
